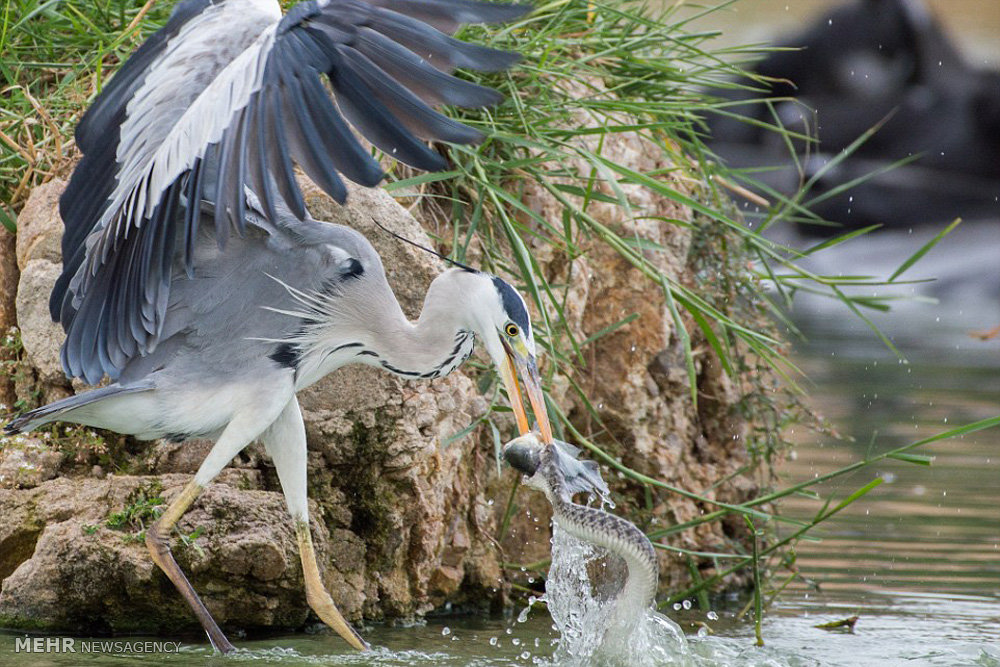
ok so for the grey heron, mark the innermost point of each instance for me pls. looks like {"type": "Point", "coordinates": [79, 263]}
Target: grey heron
{"type": "Point", "coordinates": [194, 278]}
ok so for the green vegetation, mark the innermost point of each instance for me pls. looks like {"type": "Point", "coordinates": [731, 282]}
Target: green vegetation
{"type": "Point", "coordinates": [144, 505]}
{"type": "Point", "coordinates": [592, 72]}
{"type": "Point", "coordinates": [13, 368]}
{"type": "Point", "coordinates": [53, 57]}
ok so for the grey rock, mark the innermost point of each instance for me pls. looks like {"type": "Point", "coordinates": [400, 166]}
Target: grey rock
{"type": "Point", "coordinates": [26, 462]}
{"type": "Point", "coordinates": [40, 336]}
{"type": "Point", "coordinates": [39, 227]}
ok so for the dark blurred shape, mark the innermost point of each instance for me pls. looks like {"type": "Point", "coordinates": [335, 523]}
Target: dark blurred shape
{"type": "Point", "coordinates": [868, 62]}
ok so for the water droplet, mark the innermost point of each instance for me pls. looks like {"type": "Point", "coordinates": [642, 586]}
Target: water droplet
{"type": "Point", "coordinates": [445, 631]}
{"type": "Point", "coordinates": [686, 604]}
{"type": "Point", "coordinates": [712, 616]}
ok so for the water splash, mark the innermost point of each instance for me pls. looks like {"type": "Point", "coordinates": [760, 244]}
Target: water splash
{"type": "Point", "coordinates": [597, 629]}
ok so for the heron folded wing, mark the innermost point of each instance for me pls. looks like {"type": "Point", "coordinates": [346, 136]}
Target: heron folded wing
{"type": "Point", "coordinates": [202, 115]}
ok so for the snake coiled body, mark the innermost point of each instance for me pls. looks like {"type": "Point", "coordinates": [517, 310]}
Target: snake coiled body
{"type": "Point", "coordinates": [614, 533]}
{"type": "Point", "coordinates": [559, 475]}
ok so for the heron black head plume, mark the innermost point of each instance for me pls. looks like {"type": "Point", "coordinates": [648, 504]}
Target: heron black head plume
{"type": "Point", "coordinates": [454, 262]}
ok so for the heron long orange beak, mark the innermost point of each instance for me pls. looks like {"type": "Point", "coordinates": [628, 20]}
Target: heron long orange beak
{"type": "Point", "coordinates": [528, 371]}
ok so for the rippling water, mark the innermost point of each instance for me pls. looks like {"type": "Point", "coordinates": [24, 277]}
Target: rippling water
{"type": "Point", "coordinates": [918, 560]}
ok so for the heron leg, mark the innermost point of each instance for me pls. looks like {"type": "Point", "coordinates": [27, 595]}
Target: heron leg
{"type": "Point", "coordinates": [285, 442]}
{"type": "Point", "coordinates": [159, 548]}
{"type": "Point", "coordinates": [238, 434]}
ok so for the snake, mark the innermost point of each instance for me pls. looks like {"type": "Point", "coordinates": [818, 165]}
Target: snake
{"type": "Point", "coordinates": [556, 471]}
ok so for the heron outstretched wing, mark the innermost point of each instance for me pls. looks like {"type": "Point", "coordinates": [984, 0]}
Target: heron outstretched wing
{"type": "Point", "coordinates": [229, 95]}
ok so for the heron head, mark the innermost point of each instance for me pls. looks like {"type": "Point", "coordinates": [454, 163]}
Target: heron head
{"type": "Point", "coordinates": [500, 319]}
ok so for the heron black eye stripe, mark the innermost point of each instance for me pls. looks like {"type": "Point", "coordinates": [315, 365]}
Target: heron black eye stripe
{"type": "Point", "coordinates": [513, 305]}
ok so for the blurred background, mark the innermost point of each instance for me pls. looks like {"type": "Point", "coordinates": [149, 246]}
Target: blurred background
{"type": "Point", "coordinates": [919, 80]}
{"type": "Point", "coordinates": [900, 101]}
{"type": "Point", "coordinates": [919, 558]}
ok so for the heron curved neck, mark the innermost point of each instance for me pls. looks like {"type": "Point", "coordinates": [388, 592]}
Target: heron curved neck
{"type": "Point", "coordinates": [378, 333]}
{"type": "Point", "coordinates": [433, 346]}
{"type": "Point", "coordinates": [426, 349]}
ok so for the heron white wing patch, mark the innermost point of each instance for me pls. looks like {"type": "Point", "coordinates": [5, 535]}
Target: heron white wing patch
{"type": "Point", "coordinates": [199, 125]}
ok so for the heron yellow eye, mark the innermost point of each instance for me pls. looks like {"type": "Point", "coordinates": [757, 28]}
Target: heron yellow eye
{"type": "Point", "coordinates": [511, 329]}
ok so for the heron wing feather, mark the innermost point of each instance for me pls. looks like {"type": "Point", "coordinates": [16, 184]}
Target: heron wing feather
{"type": "Point", "coordinates": [428, 83]}
{"type": "Point", "coordinates": [97, 133]}
{"type": "Point", "coordinates": [228, 96]}
{"type": "Point", "coordinates": [412, 112]}
{"type": "Point", "coordinates": [448, 15]}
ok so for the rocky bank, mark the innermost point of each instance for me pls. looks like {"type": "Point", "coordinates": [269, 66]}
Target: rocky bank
{"type": "Point", "coordinates": [406, 518]}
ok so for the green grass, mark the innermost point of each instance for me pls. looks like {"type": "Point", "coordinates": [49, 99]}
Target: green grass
{"type": "Point", "coordinates": [591, 70]}
{"type": "Point", "coordinates": [54, 56]}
